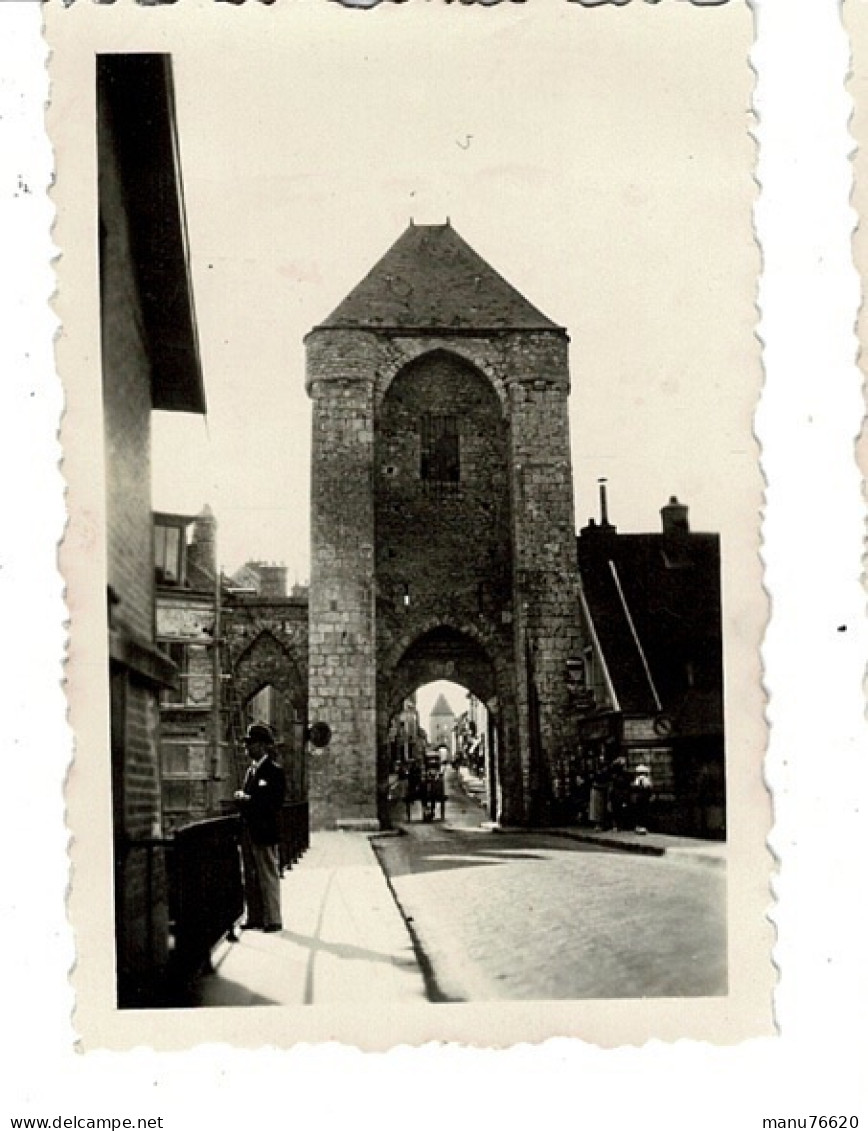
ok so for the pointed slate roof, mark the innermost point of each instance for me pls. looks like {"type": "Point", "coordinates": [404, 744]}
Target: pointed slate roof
{"type": "Point", "coordinates": [431, 278]}
{"type": "Point", "coordinates": [441, 707]}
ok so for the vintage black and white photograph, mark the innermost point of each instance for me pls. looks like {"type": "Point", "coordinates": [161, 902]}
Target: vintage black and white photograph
{"type": "Point", "coordinates": [418, 445]}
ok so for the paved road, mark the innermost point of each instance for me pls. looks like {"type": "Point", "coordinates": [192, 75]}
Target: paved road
{"type": "Point", "coordinates": [526, 916]}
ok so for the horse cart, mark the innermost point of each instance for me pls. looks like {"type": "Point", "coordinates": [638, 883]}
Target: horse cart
{"type": "Point", "coordinates": [433, 789]}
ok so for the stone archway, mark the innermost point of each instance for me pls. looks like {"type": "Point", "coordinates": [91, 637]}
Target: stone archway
{"type": "Point", "coordinates": [441, 652]}
{"type": "Point", "coordinates": [265, 663]}
{"type": "Point", "coordinates": [444, 652]}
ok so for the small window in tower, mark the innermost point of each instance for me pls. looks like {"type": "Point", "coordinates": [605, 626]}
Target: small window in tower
{"type": "Point", "coordinates": [440, 449]}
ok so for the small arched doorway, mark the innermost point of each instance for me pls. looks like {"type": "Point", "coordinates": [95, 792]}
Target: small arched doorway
{"type": "Point", "coordinates": [266, 686]}
{"type": "Point", "coordinates": [284, 715]}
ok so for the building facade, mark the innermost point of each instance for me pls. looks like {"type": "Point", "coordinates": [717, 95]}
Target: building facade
{"type": "Point", "coordinates": [149, 360]}
{"type": "Point", "coordinates": [650, 687]}
{"type": "Point", "coordinates": [196, 761]}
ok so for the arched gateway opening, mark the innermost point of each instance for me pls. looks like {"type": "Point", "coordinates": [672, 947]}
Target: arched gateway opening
{"type": "Point", "coordinates": [445, 653]}
{"type": "Point", "coordinates": [441, 521]}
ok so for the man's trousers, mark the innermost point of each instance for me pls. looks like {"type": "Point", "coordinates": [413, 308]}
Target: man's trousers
{"type": "Point", "coordinates": [262, 884]}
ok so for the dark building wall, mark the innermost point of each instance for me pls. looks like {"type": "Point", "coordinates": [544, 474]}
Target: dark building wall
{"type": "Point", "coordinates": [127, 402]}
{"type": "Point", "coordinates": [673, 721]}
{"type": "Point", "coordinates": [142, 950]}
{"type": "Point", "coordinates": [671, 585]}
{"type": "Point", "coordinates": [149, 359]}
{"type": "Point", "coordinates": [141, 889]}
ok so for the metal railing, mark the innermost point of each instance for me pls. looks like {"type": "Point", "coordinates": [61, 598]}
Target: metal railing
{"type": "Point", "coordinates": [294, 832]}
{"type": "Point", "coordinates": [197, 872]}
{"type": "Point", "coordinates": [204, 885]}
{"type": "Point", "coordinates": [206, 894]}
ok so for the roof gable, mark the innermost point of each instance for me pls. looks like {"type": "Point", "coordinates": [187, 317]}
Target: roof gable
{"type": "Point", "coordinates": [655, 603]}
{"type": "Point", "coordinates": [611, 616]}
{"type": "Point", "coordinates": [431, 278]}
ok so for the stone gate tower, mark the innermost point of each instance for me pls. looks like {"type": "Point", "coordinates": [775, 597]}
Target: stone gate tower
{"type": "Point", "coordinates": [443, 543]}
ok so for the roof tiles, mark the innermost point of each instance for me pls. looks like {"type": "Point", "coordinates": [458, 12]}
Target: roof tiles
{"type": "Point", "coordinates": [431, 278]}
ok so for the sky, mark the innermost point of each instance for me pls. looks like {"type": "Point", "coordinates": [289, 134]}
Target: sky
{"type": "Point", "coordinates": [427, 695]}
{"type": "Point", "coordinates": [604, 168]}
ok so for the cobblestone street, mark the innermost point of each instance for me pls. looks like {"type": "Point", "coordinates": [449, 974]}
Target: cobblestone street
{"type": "Point", "coordinates": [527, 916]}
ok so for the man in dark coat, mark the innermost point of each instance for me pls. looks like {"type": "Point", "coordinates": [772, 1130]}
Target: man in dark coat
{"type": "Point", "coordinates": [260, 800]}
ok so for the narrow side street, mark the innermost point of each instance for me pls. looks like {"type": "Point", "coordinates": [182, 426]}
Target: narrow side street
{"type": "Point", "coordinates": [530, 916]}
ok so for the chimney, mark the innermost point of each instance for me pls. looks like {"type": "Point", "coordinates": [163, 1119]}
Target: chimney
{"type": "Point", "coordinates": [605, 528]}
{"type": "Point", "coordinates": [272, 580]}
{"type": "Point", "coordinates": [674, 516]}
{"type": "Point", "coordinates": [202, 551]}
{"type": "Point", "coordinates": [604, 507]}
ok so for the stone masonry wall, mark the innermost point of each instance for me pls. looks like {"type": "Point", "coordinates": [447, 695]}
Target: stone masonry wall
{"type": "Point", "coordinates": [342, 673]}
{"type": "Point", "coordinates": [498, 559]}
{"type": "Point", "coordinates": [267, 643]}
{"type": "Point", "coordinates": [443, 551]}
{"type": "Point", "coordinates": [267, 646]}
{"type": "Point", "coordinates": [547, 617]}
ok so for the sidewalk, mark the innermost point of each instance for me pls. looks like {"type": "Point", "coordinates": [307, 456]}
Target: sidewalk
{"type": "Point", "coordinates": [690, 850]}
{"type": "Point", "coordinates": [343, 939]}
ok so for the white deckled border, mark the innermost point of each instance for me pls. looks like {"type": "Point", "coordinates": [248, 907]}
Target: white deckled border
{"type": "Point", "coordinates": [811, 410]}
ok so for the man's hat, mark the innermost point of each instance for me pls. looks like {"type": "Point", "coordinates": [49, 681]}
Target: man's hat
{"type": "Point", "coordinates": [259, 732]}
